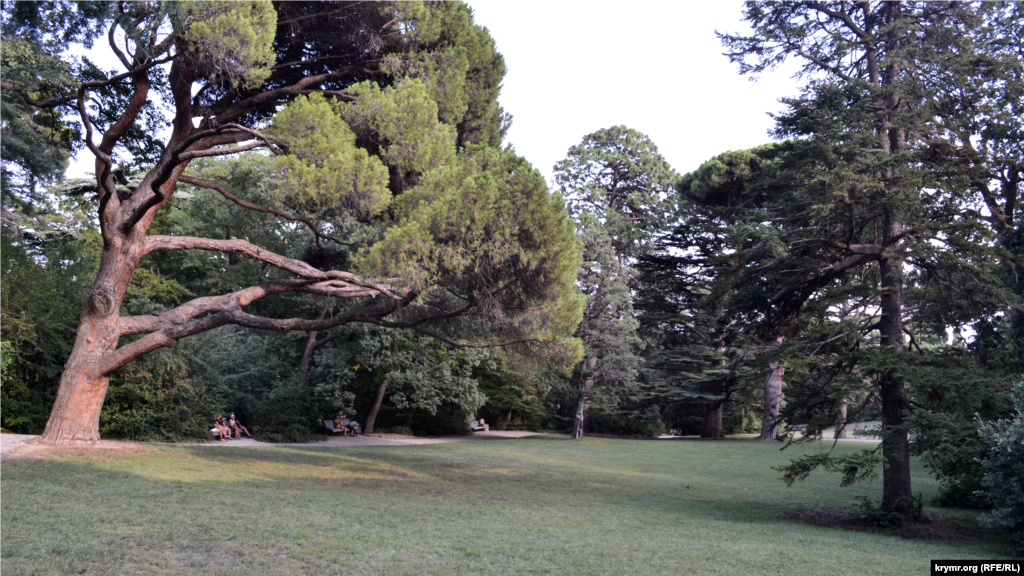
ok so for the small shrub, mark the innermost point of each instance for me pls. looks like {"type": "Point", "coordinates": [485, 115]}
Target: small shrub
{"type": "Point", "coordinates": [873, 513]}
{"type": "Point", "coordinates": [404, 430]}
{"type": "Point", "coordinates": [1004, 472]}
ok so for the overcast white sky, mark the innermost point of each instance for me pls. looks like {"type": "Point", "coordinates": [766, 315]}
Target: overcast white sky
{"type": "Point", "coordinates": [575, 67]}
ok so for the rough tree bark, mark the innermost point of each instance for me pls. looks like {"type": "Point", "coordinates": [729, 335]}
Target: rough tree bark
{"type": "Point", "coordinates": [772, 400]}
{"type": "Point", "coordinates": [897, 495]}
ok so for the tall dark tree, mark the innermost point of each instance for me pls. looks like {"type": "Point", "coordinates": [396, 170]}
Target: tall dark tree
{"type": "Point", "coordinates": [685, 294]}
{"type": "Point", "coordinates": [609, 329]}
{"type": "Point", "coordinates": [863, 222]}
{"type": "Point", "coordinates": [618, 189]}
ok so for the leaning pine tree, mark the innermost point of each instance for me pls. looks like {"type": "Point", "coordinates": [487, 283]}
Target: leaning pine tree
{"type": "Point", "coordinates": [385, 113]}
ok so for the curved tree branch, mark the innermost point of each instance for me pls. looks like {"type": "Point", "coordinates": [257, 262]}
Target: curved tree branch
{"type": "Point", "coordinates": [297, 267]}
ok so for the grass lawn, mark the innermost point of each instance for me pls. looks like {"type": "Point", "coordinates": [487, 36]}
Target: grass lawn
{"type": "Point", "coordinates": [531, 506]}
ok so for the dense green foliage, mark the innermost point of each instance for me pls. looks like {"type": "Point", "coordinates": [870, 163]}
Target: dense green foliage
{"type": "Point", "coordinates": [1004, 470]}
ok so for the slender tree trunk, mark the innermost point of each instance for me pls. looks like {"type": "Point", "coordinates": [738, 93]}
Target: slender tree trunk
{"type": "Point", "coordinates": [307, 354]}
{"type": "Point", "coordinates": [712, 427]}
{"type": "Point", "coordinates": [409, 416]}
{"type": "Point", "coordinates": [586, 385]}
{"type": "Point", "coordinates": [772, 400]}
{"type": "Point", "coordinates": [371, 417]}
{"type": "Point", "coordinates": [841, 422]}
{"type": "Point", "coordinates": [508, 418]}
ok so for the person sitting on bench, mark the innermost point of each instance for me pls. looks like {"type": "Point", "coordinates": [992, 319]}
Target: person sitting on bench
{"type": "Point", "coordinates": [235, 425]}
{"type": "Point", "coordinates": [351, 425]}
{"type": "Point", "coordinates": [341, 423]}
{"type": "Point", "coordinates": [222, 428]}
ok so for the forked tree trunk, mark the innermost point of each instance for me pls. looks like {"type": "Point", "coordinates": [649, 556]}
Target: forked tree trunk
{"type": "Point", "coordinates": [371, 417]}
{"type": "Point", "coordinates": [840, 432]}
{"type": "Point", "coordinates": [712, 427]}
{"type": "Point", "coordinates": [772, 400]}
{"type": "Point", "coordinates": [307, 353]}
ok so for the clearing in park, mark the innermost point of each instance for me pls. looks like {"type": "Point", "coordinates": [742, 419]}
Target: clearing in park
{"type": "Point", "coordinates": [539, 505]}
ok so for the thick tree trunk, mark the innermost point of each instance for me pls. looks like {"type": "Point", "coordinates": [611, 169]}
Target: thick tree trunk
{"type": "Point", "coordinates": [371, 417]}
{"type": "Point", "coordinates": [83, 385]}
{"type": "Point", "coordinates": [841, 422]}
{"type": "Point", "coordinates": [772, 400]}
{"type": "Point", "coordinates": [897, 495]}
{"type": "Point", "coordinates": [712, 427]}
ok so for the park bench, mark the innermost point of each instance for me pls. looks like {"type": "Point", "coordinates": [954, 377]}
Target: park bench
{"type": "Point", "coordinates": [476, 426]}
{"type": "Point", "coordinates": [799, 428]}
{"type": "Point", "coordinates": [330, 427]}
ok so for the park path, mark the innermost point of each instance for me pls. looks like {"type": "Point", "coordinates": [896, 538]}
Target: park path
{"type": "Point", "coordinates": [374, 440]}
{"type": "Point", "coordinates": [10, 442]}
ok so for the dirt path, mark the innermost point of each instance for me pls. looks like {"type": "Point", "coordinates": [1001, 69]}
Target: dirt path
{"type": "Point", "coordinates": [15, 445]}
{"type": "Point", "coordinates": [8, 442]}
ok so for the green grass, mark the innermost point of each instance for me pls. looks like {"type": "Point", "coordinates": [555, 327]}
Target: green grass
{"type": "Point", "coordinates": [533, 506]}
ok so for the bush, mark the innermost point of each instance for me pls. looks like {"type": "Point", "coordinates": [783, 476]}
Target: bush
{"type": "Point", "coordinates": [447, 422]}
{"type": "Point", "coordinates": [624, 424]}
{"type": "Point", "coordinates": [1004, 472]}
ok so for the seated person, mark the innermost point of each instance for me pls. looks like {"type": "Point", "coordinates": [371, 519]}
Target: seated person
{"type": "Point", "coordinates": [339, 425]}
{"type": "Point", "coordinates": [351, 425]}
{"type": "Point", "coordinates": [345, 425]}
{"type": "Point", "coordinates": [235, 425]}
{"type": "Point", "coordinates": [222, 428]}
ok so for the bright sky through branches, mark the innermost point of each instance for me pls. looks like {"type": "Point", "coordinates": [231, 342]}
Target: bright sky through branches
{"type": "Point", "coordinates": [575, 67]}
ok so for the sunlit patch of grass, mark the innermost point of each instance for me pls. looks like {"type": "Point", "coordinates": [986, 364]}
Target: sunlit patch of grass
{"type": "Point", "coordinates": [535, 506]}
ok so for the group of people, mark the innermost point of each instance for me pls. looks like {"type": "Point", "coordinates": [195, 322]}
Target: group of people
{"type": "Point", "coordinates": [225, 427]}
{"type": "Point", "coordinates": [343, 423]}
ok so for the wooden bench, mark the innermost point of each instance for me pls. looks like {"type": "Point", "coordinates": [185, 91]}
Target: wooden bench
{"type": "Point", "coordinates": [476, 426]}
